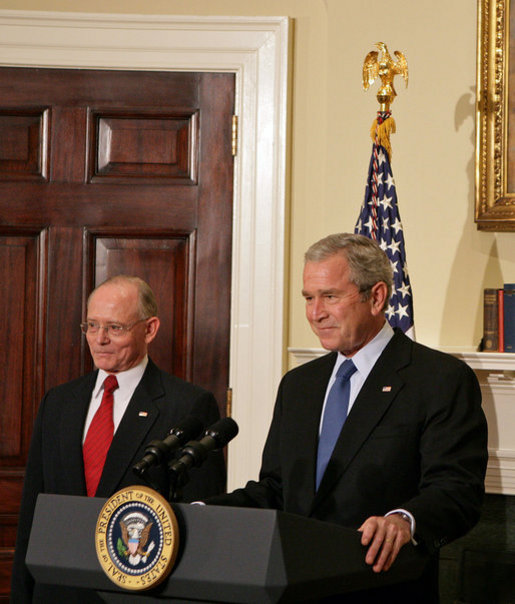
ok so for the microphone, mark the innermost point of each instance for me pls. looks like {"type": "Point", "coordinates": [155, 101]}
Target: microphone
{"type": "Point", "coordinates": [196, 451]}
{"type": "Point", "coordinates": [158, 451]}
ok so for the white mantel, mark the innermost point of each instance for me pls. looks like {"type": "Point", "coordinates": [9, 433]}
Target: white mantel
{"type": "Point", "coordinates": [496, 374]}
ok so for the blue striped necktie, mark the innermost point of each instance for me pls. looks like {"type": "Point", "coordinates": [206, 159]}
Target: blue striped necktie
{"type": "Point", "coordinates": [335, 414]}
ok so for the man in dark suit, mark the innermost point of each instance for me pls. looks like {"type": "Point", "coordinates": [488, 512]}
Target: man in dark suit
{"type": "Point", "coordinates": [410, 460]}
{"type": "Point", "coordinates": [146, 403]}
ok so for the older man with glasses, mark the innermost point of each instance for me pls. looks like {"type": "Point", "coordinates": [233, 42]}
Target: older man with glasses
{"type": "Point", "coordinates": [90, 432]}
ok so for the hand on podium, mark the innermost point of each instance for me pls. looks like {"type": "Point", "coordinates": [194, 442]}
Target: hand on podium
{"type": "Point", "coordinates": [385, 535]}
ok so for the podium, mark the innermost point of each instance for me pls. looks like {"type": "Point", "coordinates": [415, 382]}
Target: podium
{"type": "Point", "coordinates": [226, 554]}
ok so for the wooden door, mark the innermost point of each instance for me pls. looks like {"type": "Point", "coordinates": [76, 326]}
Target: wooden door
{"type": "Point", "coordinates": [106, 172]}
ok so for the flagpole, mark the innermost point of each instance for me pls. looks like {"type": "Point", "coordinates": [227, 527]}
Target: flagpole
{"type": "Point", "coordinates": [379, 217]}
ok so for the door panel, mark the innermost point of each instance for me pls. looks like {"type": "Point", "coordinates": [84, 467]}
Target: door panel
{"type": "Point", "coordinates": [24, 150]}
{"type": "Point", "coordinates": [107, 172]}
{"type": "Point", "coordinates": [144, 145]}
{"type": "Point", "coordinates": [166, 261]}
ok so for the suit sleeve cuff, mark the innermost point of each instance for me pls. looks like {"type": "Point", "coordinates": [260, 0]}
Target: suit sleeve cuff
{"type": "Point", "coordinates": [410, 518]}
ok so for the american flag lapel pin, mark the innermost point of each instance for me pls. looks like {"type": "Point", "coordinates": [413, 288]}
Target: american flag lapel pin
{"type": "Point", "coordinates": [387, 388]}
{"type": "Point", "coordinates": [143, 413]}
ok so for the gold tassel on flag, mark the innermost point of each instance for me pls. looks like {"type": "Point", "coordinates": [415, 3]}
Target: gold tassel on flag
{"type": "Point", "coordinates": [380, 133]}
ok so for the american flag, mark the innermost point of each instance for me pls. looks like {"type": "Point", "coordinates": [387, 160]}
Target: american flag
{"type": "Point", "coordinates": [379, 219]}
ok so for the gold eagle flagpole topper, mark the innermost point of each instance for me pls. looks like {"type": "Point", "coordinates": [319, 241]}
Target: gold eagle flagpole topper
{"type": "Point", "coordinates": [381, 64]}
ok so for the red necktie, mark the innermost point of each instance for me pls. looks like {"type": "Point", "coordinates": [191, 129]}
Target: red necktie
{"type": "Point", "coordinates": [99, 437]}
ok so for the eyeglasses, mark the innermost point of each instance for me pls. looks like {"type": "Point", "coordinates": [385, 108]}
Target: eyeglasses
{"type": "Point", "coordinates": [113, 329]}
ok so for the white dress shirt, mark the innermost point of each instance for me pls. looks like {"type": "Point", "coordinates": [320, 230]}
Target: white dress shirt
{"type": "Point", "coordinates": [127, 383]}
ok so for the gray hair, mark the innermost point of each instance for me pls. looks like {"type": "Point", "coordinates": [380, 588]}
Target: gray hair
{"type": "Point", "coordinates": [368, 263]}
{"type": "Point", "coordinates": [147, 305]}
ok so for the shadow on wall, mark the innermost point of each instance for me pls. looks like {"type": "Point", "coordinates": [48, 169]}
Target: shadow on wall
{"type": "Point", "coordinates": [484, 244]}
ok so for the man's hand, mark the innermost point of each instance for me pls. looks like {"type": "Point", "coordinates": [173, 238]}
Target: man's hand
{"type": "Point", "coordinates": [386, 536]}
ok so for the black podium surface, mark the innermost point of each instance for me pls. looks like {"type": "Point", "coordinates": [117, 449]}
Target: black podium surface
{"type": "Point", "coordinates": [225, 555]}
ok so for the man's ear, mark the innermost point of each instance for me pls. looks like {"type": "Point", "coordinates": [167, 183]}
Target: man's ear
{"type": "Point", "coordinates": [378, 295]}
{"type": "Point", "coordinates": [152, 327]}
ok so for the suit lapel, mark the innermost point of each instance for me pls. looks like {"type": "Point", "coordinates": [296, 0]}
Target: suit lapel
{"type": "Point", "coordinates": [71, 422]}
{"type": "Point", "coordinates": [139, 417]}
{"type": "Point", "coordinates": [308, 408]}
{"type": "Point", "coordinates": [377, 394]}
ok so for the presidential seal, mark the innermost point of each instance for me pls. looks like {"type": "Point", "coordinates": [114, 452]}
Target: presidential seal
{"type": "Point", "coordinates": [137, 538]}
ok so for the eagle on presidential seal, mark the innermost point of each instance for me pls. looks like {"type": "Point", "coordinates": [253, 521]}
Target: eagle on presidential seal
{"type": "Point", "coordinates": [135, 528]}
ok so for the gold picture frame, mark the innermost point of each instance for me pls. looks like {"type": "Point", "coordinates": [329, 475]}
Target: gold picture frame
{"type": "Point", "coordinates": [495, 116]}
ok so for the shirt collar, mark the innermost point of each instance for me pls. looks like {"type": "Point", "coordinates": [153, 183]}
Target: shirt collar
{"type": "Point", "coordinates": [129, 378]}
{"type": "Point", "coordinates": [367, 356]}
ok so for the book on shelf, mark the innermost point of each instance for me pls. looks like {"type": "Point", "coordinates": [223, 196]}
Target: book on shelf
{"type": "Point", "coordinates": [509, 317]}
{"type": "Point", "coordinates": [499, 319]}
{"type": "Point", "coordinates": [500, 314]}
{"type": "Point", "coordinates": [490, 320]}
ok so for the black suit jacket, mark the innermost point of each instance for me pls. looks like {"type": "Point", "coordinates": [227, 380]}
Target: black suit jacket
{"type": "Point", "coordinates": [55, 463]}
{"type": "Point", "coordinates": [415, 438]}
